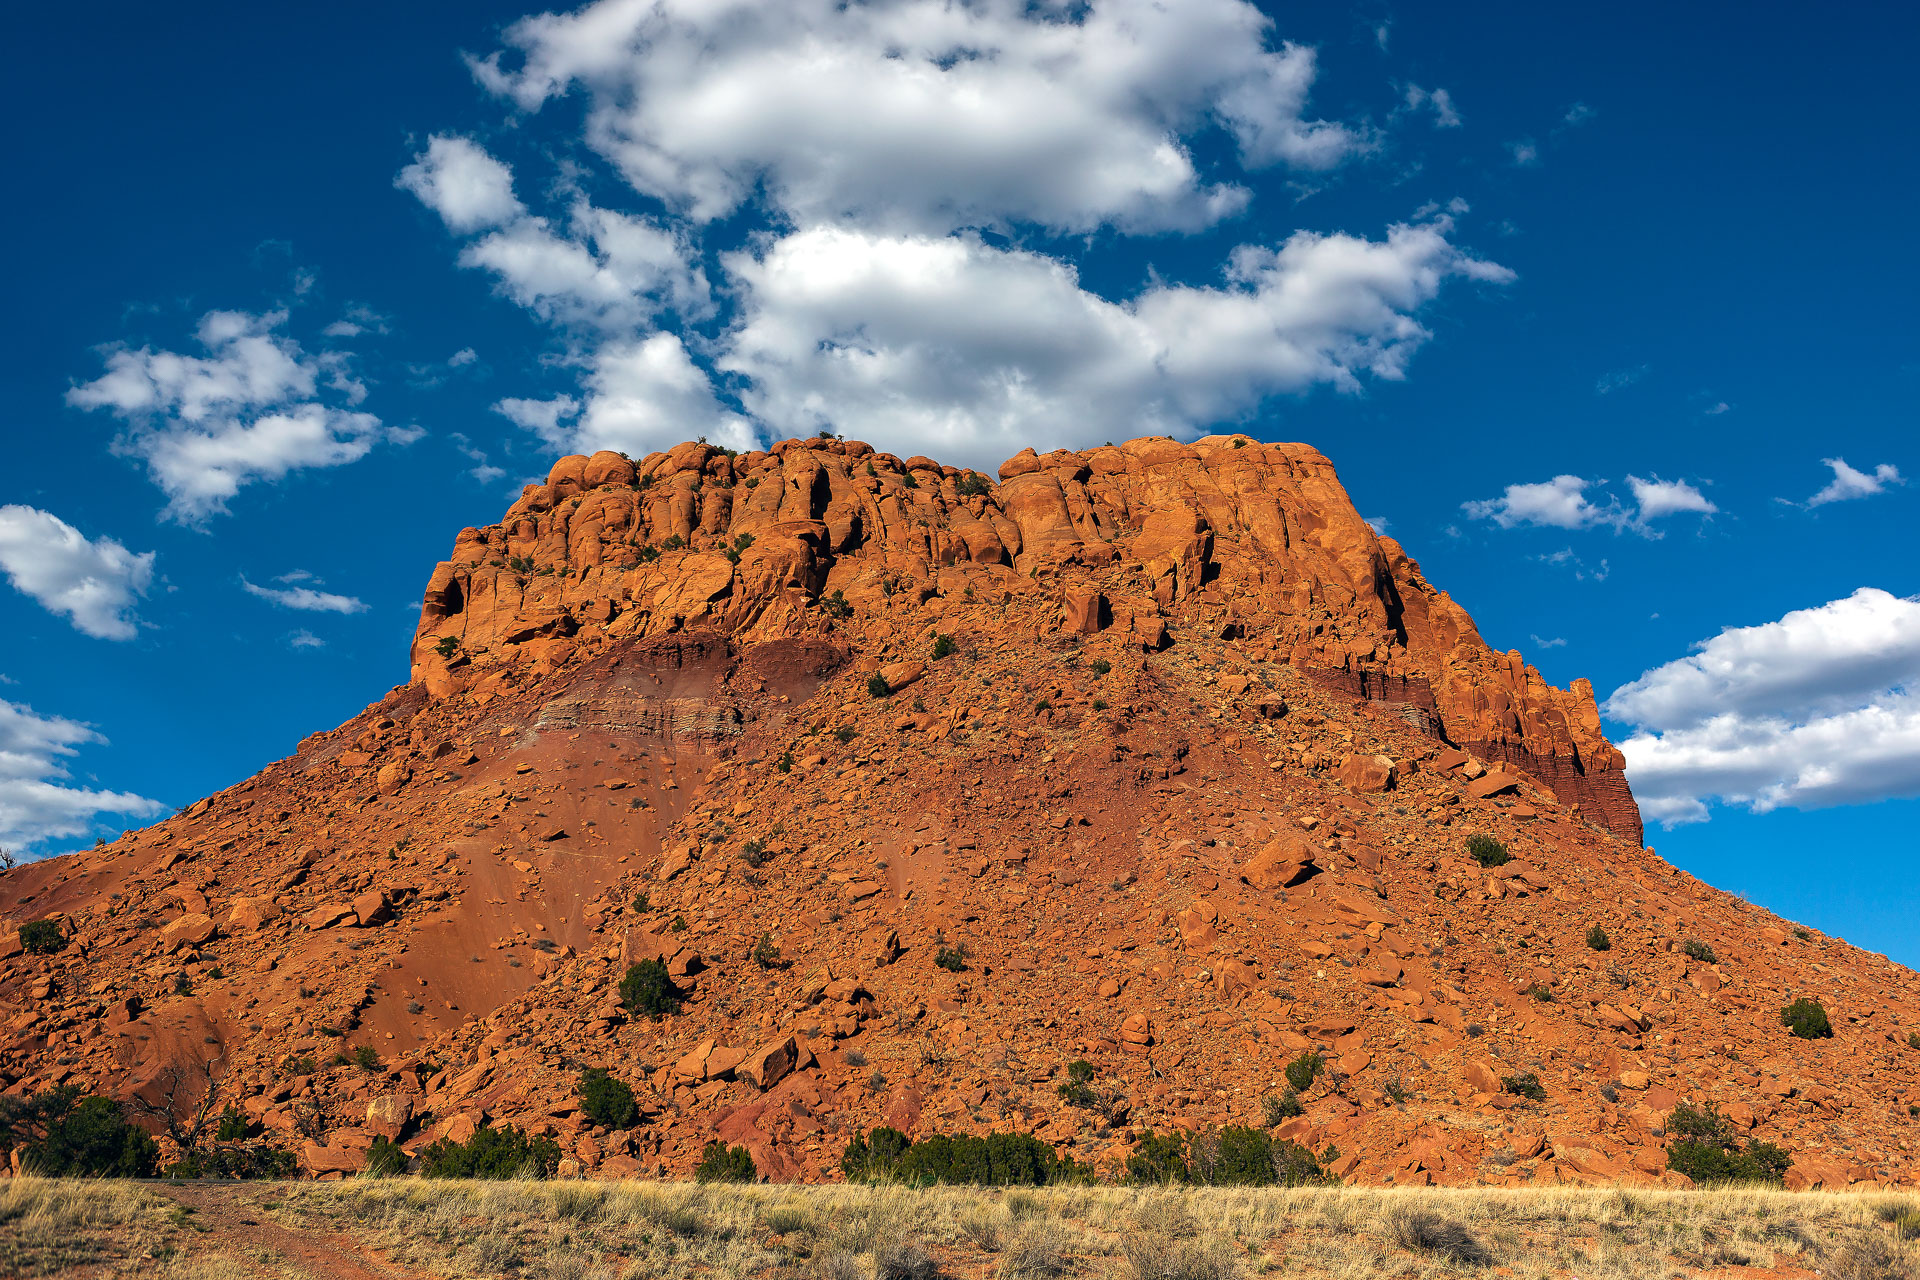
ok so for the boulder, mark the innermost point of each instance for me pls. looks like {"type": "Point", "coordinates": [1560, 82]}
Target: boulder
{"type": "Point", "coordinates": [187, 931]}
{"type": "Point", "coordinates": [1084, 612]}
{"type": "Point", "coordinates": [1366, 774]}
{"type": "Point", "coordinates": [767, 1065]}
{"type": "Point", "coordinates": [244, 915]}
{"type": "Point", "coordinates": [371, 908]}
{"type": "Point", "coordinates": [1289, 860]}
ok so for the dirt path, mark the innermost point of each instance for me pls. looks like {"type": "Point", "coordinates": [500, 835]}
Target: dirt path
{"type": "Point", "coordinates": [235, 1222]}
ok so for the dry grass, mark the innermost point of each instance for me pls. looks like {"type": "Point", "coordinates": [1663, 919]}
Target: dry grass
{"type": "Point", "coordinates": [616, 1231]}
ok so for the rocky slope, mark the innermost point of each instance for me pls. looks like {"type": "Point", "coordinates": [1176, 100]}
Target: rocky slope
{"type": "Point", "coordinates": [1175, 763]}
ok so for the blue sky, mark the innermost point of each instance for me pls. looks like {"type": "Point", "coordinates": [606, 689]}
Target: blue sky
{"type": "Point", "coordinates": [1604, 314]}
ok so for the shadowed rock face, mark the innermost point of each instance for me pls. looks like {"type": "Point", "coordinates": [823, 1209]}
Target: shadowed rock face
{"type": "Point", "coordinates": [919, 788]}
{"type": "Point", "coordinates": [1251, 540]}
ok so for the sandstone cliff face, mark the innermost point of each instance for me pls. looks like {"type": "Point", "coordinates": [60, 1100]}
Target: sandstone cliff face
{"type": "Point", "coordinates": [1181, 756]}
{"type": "Point", "coordinates": [1257, 541]}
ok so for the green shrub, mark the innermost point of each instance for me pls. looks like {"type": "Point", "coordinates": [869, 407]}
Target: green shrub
{"type": "Point", "coordinates": [785, 763]}
{"type": "Point", "coordinates": [608, 1102]}
{"type": "Point", "coordinates": [942, 646]}
{"type": "Point", "coordinates": [1277, 1111]}
{"type": "Point", "coordinates": [1159, 1158]}
{"type": "Point", "coordinates": [1526, 1085]}
{"type": "Point", "coordinates": [445, 646]}
{"type": "Point", "coordinates": [648, 991]}
{"type": "Point", "coordinates": [1703, 1146]}
{"type": "Point", "coordinates": [765, 954]}
{"type": "Point", "coordinates": [42, 937]}
{"type": "Point", "coordinates": [236, 1163]}
{"type": "Point", "coordinates": [876, 1155]}
{"type": "Point", "coordinates": [1913, 1039]}
{"type": "Point", "coordinates": [86, 1138]}
{"type": "Point", "coordinates": [1245, 1158]}
{"type": "Point", "coordinates": [1806, 1019]}
{"type": "Point", "coordinates": [754, 853]}
{"type": "Point", "coordinates": [1700, 951]}
{"type": "Point", "coordinates": [997, 1160]}
{"type": "Point", "coordinates": [836, 605]}
{"type": "Point", "coordinates": [722, 1163]}
{"type": "Point", "coordinates": [1487, 851]}
{"type": "Point", "coordinates": [505, 1152]}
{"type": "Point", "coordinates": [1303, 1070]}
{"type": "Point", "coordinates": [366, 1057]}
{"type": "Point", "coordinates": [232, 1126]}
{"type": "Point", "coordinates": [952, 959]}
{"type": "Point", "coordinates": [1597, 939]}
{"type": "Point", "coordinates": [1100, 666]}
{"type": "Point", "coordinates": [385, 1159]}
{"type": "Point", "coordinates": [972, 485]}
{"type": "Point", "coordinates": [1077, 1087]}
{"type": "Point", "coordinates": [877, 686]}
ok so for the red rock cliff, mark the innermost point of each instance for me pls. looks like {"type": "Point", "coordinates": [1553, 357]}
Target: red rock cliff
{"type": "Point", "coordinates": [1225, 532]}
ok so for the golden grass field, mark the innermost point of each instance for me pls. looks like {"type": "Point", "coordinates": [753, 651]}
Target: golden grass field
{"type": "Point", "coordinates": [602, 1231]}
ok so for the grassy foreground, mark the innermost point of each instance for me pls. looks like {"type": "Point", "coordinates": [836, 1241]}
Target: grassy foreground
{"type": "Point", "coordinates": [590, 1231]}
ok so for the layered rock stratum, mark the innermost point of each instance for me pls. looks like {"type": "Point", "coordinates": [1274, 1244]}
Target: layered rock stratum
{"type": "Point", "coordinates": [1165, 752]}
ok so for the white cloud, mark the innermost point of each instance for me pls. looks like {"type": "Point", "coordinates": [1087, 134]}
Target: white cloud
{"type": "Point", "coordinates": [457, 179]}
{"type": "Point", "coordinates": [948, 342]}
{"type": "Point", "coordinates": [1819, 708]}
{"type": "Point", "coordinates": [640, 397]}
{"type": "Point", "coordinates": [250, 410]}
{"type": "Point", "coordinates": [93, 583]}
{"type": "Point", "coordinates": [608, 271]}
{"type": "Point", "coordinates": [1379, 524]}
{"type": "Point", "coordinates": [1848, 483]}
{"type": "Point", "coordinates": [305, 640]}
{"type": "Point", "coordinates": [35, 804]}
{"type": "Point", "coordinates": [1525, 153]}
{"type": "Point", "coordinates": [1657, 497]}
{"type": "Point", "coordinates": [1439, 101]}
{"type": "Point", "coordinates": [461, 358]}
{"type": "Point", "coordinates": [923, 115]}
{"type": "Point", "coordinates": [1717, 408]}
{"type": "Point", "coordinates": [1557, 642]}
{"type": "Point", "coordinates": [306, 599]}
{"type": "Point", "coordinates": [1607, 383]}
{"type": "Point", "coordinates": [1562, 503]}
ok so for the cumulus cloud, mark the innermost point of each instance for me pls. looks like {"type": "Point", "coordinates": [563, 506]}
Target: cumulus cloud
{"type": "Point", "coordinates": [457, 179]}
{"type": "Point", "coordinates": [878, 149]}
{"type": "Point", "coordinates": [1438, 101]}
{"type": "Point", "coordinates": [1848, 483]}
{"type": "Point", "coordinates": [36, 802]}
{"type": "Point", "coordinates": [927, 116]}
{"type": "Point", "coordinates": [947, 341]}
{"type": "Point", "coordinates": [1562, 503]}
{"type": "Point", "coordinates": [95, 583]}
{"type": "Point", "coordinates": [1819, 708]}
{"type": "Point", "coordinates": [305, 599]}
{"type": "Point", "coordinates": [254, 408]}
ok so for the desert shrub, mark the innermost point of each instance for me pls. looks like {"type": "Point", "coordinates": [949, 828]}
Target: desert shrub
{"type": "Point", "coordinates": [722, 1163]}
{"type": "Point", "coordinates": [648, 991]}
{"type": "Point", "coordinates": [997, 1160]}
{"type": "Point", "coordinates": [1276, 1111]}
{"type": "Point", "coordinates": [385, 1159]}
{"type": "Point", "coordinates": [1700, 951]}
{"type": "Point", "coordinates": [445, 646]}
{"type": "Point", "coordinates": [1296, 1166]}
{"type": "Point", "coordinates": [1146, 1255]}
{"type": "Point", "coordinates": [1423, 1231]}
{"type": "Point", "coordinates": [877, 686]}
{"type": "Point", "coordinates": [1234, 1156]}
{"type": "Point", "coordinates": [235, 1163]}
{"type": "Point", "coordinates": [607, 1101]}
{"type": "Point", "coordinates": [785, 763]}
{"type": "Point", "coordinates": [42, 937]}
{"type": "Point", "coordinates": [765, 954]}
{"type": "Point", "coordinates": [972, 485]}
{"type": "Point", "coordinates": [506, 1152]}
{"type": "Point", "coordinates": [1077, 1087]}
{"type": "Point", "coordinates": [232, 1126]}
{"type": "Point", "coordinates": [874, 1155]}
{"type": "Point", "coordinates": [1598, 940]}
{"type": "Point", "coordinates": [952, 959]}
{"type": "Point", "coordinates": [366, 1057]}
{"type": "Point", "coordinates": [836, 605]}
{"type": "Point", "coordinates": [902, 1258]}
{"type": "Point", "coordinates": [1159, 1157]}
{"type": "Point", "coordinates": [1036, 1252]}
{"type": "Point", "coordinates": [1913, 1039]}
{"type": "Point", "coordinates": [1702, 1145]}
{"type": "Point", "coordinates": [82, 1138]}
{"type": "Point", "coordinates": [1526, 1085]}
{"type": "Point", "coordinates": [1100, 666]}
{"type": "Point", "coordinates": [1244, 1159]}
{"type": "Point", "coordinates": [942, 646]}
{"type": "Point", "coordinates": [1303, 1070]}
{"type": "Point", "coordinates": [754, 853]}
{"type": "Point", "coordinates": [1807, 1019]}
{"type": "Point", "coordinates": [1487, 851]}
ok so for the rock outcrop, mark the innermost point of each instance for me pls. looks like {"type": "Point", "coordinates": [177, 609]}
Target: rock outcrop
{"type": "Point", "coordinates": [919, 788]}
{"type": "Point", "coordinates": [1254, 541]}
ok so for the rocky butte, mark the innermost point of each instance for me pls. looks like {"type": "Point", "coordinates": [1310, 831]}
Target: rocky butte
{"type": "Point", "coordinates": [1158, 748]}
